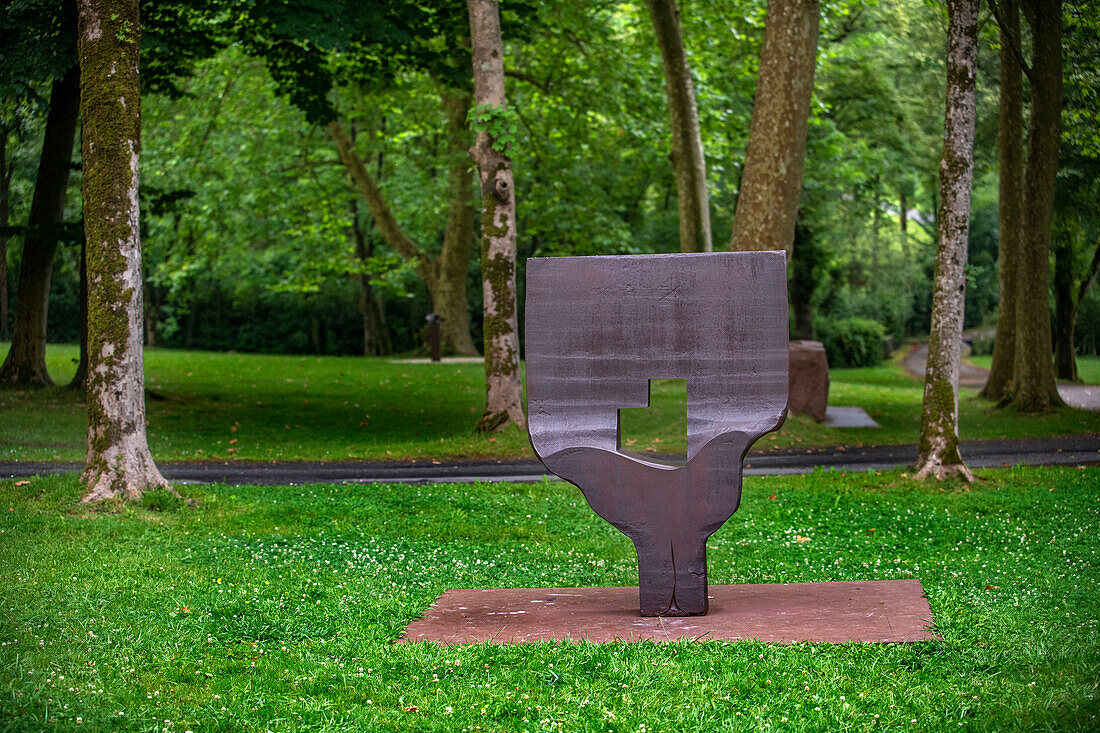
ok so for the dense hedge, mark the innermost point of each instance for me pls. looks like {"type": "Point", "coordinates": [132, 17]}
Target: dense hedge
{"type": "Point", "coordinates": [852, 342]}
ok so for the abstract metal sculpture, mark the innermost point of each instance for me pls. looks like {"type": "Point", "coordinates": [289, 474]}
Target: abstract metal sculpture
{"type": "Point", "coordinates": [597, 330]}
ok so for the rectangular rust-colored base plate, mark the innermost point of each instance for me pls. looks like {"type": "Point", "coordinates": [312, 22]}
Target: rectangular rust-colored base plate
{"type": "Point", "coordinates": [872, 611]}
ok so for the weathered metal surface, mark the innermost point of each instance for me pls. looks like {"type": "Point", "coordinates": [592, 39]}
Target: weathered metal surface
{"type": "Point", "coordinates": [869, 611]}
{"type": "Point", "coordinates": [597, 330]}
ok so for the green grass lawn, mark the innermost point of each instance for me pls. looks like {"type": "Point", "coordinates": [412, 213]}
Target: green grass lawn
{"type": "Point", "coordinates": [1088, 367]}
{"type": "Point", "coordinates": [274, 608]}
{"type": "Point", "coordinates": [250, 407]}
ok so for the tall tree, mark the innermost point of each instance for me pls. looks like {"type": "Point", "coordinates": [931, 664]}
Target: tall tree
{"type": "Point", "coordinates": [771, 184]}
{"type": "Point", "coordinates": [687, 142]}
{"type": "Point", "coordinates": [1033, 372]}
{"type": "Point", "coordinates": [119, 464]}
{"type": "Point", "coordinates": [443, 274]}
{"type": "Point", "coordinates": [312, 47]}
{"type": "Point", "coordinates": [939, 430]}
{"type": "Point", "coordinates": [1068, 293]}
{"type": "Point", "coordinates": [1010, 195]}
{"type": "Point", "coordinates": [25, 364]}
{"type": "Point", "coordinates": [39, 42]}
{"type": "Point", "coordinates": [1077, 197]}
{"type": "Point", "coordinates": [376, 339]}
{"type": "Point", "coordinates": [504, 392]}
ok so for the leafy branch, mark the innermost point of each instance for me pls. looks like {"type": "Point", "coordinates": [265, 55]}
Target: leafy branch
{"type": "Point", "coordinates": [499, 122]}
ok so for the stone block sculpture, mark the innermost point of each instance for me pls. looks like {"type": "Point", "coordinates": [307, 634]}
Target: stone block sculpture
{"type": "Point", "coordinates": [597, 330]}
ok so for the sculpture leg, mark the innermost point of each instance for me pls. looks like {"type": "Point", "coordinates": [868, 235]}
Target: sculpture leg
{"type": "Point", "coordinates": [672, 576]}
{"type": "Point", "coordinates": [656, 574]}
{"type": "Point", "coordinates": [689, 553]}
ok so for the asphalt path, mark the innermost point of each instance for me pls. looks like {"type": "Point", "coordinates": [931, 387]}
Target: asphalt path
{"type": "Point", "coordinates": [1081, 396]}
{"type": "Point", "coordinates": [1059, 450]}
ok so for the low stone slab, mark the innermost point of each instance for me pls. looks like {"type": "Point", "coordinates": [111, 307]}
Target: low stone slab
{"type": "Point", "coordinates": [848, 417]}
{"type": "Point", "coordinates": [866, 611]}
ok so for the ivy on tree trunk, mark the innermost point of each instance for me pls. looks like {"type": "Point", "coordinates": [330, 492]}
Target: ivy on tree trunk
{"type": "Point", "coordinates": [771, 184]}
{"type": "Point", "coordinates": [503, 390]}
{"type": "Point", "coordinates": [688, 160]}
{"type": "Point", "coordinates": [119, 465]}
{"type": "Point", "coordinates": [939, 428]}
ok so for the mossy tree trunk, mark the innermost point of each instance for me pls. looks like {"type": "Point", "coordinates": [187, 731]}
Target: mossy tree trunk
{"type": "Point", "coordinates": [503, 390]}
{"type": "Point", "coordinates": [1033, 373]}
{"type": "Point", "coordinates": [771, 184]}
{"type": "Point", "coordinates": [119, 464]}
{"type": "Point", "coordinates": [445, 274]}
{"type": "Point", "coordinates": [25, 364]}
{"type": "Point", "coordinates": [688, 160]}
{"type": "Point", "coordinates": [939, 429]}
{"type": "Point", "coordinates": [1010, 201]}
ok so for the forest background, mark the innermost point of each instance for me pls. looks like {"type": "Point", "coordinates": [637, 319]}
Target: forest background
{"type": "Point", "coordinates": [256, 239]}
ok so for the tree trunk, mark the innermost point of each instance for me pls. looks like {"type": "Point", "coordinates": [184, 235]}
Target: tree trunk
{"type": "Point", "coordinates": [433, 271]}
{"type": "Point", "coordinates": [80, 379]}
{"type": "Point", "coordinates": [376, 338]}
{"type": "Point", "coordinates": [453, 263]}
{"type": "Point", "coordinates": [6, 171]}
{"type": "Point", "coordinates": [1033, 373]}
{"type": "Point", "coordinates": [1065, 310]}
{"type": "Point", "coordinates": [803, 283]}
{"type": "Point", "coordinates": [504, 391]}
{"type": "Point", "coordinates": [1010, 203]}
{"type": "Point", "coordinates": [26, 361]}
{"type": "Point", "coordinates": [687, 142]}
{"type": "Point", "coordinates": [119, 464]}
{"type": "Point", "coordinates": [1065, 307]}
{"type": "Point", "coordinates": [150, 317]}
{"type": "Point", "coordinates": [771, 185]}
{"type": "Point", "coordinates": [939, 429]}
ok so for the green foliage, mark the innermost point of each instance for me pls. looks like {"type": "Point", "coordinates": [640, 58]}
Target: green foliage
{"type": "Point", "coordinates": [852, 342]}
{"type": "Point", "coordinates": [500, 122]}
{"type": "Point", "coordinates": [260, 260]}
{"type": "Point", "coordinates": [37, 43]}
{"type": "Point", "coordinates": [264, 231]}
{"type": "Point", "coordinates": [982, 346]}
{"type": "Point", "coordinates": [315, 46]}
{"type": "Point", "coordinates": [275, 608]}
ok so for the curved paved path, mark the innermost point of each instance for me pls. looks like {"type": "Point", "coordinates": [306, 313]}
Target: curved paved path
{"type": "Point", "coordinates": [1063, 450]}
{"type": "Point", "coordinates": [1082, 396]}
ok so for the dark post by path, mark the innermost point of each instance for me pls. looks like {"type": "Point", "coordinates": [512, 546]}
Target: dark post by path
{"type": "Point", "coordinates": [598, 329]}
{"type": "Point", "coordinates": [434, 346]}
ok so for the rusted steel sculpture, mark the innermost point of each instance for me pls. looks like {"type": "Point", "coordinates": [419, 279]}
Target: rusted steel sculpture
{"type": "Point", "coordinates": [597, 330]}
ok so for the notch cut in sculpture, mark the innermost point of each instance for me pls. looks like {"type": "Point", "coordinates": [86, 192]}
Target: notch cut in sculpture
{"type": "Point", "coordinates": [598, 329]}
{"type": "Point", "coordinates": [657, 431]}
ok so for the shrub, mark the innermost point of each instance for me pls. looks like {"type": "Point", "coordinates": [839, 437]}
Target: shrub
{"type": "Point", "coordinates": [981, 346]}
{"type": "Point", "coordinates": [852, 342]}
